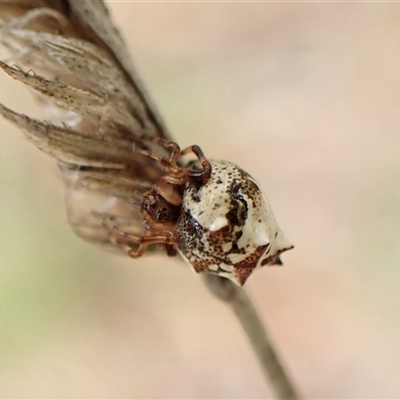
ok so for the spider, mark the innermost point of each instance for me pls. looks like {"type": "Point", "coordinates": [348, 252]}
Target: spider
{"type": "Point", "coordinates": [212, 212]}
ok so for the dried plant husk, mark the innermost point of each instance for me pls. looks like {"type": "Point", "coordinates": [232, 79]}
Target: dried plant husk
{"type": "Point", "coordinates": [73, 58]}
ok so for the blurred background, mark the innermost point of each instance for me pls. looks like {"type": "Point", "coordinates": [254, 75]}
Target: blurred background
{"type": "Point", "coordinates": [306, 98]}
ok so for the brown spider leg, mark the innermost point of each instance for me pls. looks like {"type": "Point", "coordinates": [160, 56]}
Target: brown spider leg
{"type": "Point", "coordinates": [176, 150]}
{"type": "Point", "coordinates": [162, 188]}
{"type": "Point", "coordinates": [166, 191]}
{"type": "Point", "coordinates": [206, 172]}
{"type": "Point", "coordinates": [129, 249]}
{"type": "Point", "coordinates": [170, 234]}
{"type": "Point", "coordinates": [162, 160]}
{"type": "Point", "coordinates": [181, 175]}
{"type": "Point", "coordinates": [146, 198]}
{"type": "Point", "coordinates": [174, 175]}
{"type": "Point", "coordinates": [155, 233]}
{"type": "Point", "coordinates": [116, 241]}
{"type": "Point", "coordinates": [179, 179]}
{"type": "Point", "coordinates": [166, 236]}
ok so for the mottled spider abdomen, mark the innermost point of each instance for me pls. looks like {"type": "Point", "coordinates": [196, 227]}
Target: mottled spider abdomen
{"type": "Point", "coordinates": [226, 225]}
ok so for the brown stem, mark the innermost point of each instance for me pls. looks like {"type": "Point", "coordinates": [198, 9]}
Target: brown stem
{"type": "Point", "coordinates": [241, 305]}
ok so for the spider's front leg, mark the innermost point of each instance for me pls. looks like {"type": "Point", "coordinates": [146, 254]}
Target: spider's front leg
{"type": "Point", "coordinates": [174, 173]}
{"type": "Point", "coordinates": [205, 173]}
{"type": "Point", "coordinates": [116, 235]}
{"type": "Point", "coordinates": [153, 233]}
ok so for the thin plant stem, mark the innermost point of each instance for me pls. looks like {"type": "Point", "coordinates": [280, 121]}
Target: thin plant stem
{"type": "Point", "coordinates": [248, 317]}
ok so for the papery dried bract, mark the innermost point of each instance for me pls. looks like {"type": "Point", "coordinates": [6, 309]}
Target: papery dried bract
{"type": "Point", "coordinates": [83, 77]}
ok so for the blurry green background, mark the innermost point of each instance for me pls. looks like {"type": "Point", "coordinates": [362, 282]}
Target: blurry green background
{"type": "Point", "coordinates": [305, 97]}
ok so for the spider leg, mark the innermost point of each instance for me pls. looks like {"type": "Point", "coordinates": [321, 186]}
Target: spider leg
{"type": "Point", "coordinates": [165, 162]}
{"type": "Point", "coordinates": [154, 233]}
{"type": "Point", "coordinates": [134, 253]}
{"type": "Point", "coordinates": [176, 175]}
{"type": "Point", "coordinates": [164, 237]}
{"type": "Point", "coordinates": [118, 239]}
{"type": "Point", "coordinates": [206, 172]}
{"type": "Point", "coordinates": [176, 150]}
{"type": "Point", "coordinates": [167, 192]}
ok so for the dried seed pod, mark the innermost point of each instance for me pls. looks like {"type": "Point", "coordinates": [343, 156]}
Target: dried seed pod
{"type": "Point", "coordinates": [212, 212]}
